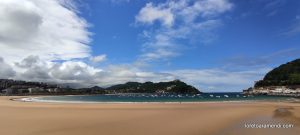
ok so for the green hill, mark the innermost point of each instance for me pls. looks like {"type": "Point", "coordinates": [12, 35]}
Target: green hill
{"type": "Point", "coordinates": [175, 86]}
{"type": "Point", "coordinates": [285, 74]}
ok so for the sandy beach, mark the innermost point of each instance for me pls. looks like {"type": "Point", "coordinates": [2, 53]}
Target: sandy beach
{"type": "Point", "coordinates": [29, 118]}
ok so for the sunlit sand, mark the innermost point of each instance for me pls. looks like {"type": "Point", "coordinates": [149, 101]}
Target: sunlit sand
{"type": "Point", "coordinates": [31, 118]}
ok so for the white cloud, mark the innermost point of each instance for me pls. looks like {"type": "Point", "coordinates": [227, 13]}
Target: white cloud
{"type": "Point", "coordinates": [36, 33]}
{"type": "Point", "coordinates": [207, 8]}
{"type": "Point", "coordinates": [50, 29]}
{"type": "Point", "coordinates": [159, 53]}
{"type": "Point", "coordinates": [189, 20]}
{"type": "Point", "coordinates": [99, 58]}
{"type": "Point", "coordinates": [73, 71]}
{"type": "Point", "coordinates": [220, 80]}
{"type": "Point", "coordinates": [116, 74]}
{"type": "Point", "coordinates": [150, 13]}
{"type": "Point", "coordinates": [33, 68]}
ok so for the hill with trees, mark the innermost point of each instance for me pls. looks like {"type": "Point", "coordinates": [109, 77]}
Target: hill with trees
{"type": "Point", "coordinates": [175, 86]}
{"type": "Point", "coordinates": [17, 87]}
{"type": "Point", "coordinates": [285, 75]}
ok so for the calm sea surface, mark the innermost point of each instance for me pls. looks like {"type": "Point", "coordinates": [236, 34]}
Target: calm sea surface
{"type": "Point", "coordinates": [205, 97]}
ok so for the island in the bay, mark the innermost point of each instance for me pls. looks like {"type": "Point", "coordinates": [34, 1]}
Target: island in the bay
{"type": "Point", "coordinates": [16, 87]}
{"type": "Point", "coordinates": [281, 81]}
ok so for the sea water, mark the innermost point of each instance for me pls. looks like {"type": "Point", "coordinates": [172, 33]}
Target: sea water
{"type": "Point", "coordinates": [204, 97]}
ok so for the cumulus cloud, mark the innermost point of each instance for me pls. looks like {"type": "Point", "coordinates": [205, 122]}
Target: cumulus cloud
{"type": "Point", "coordinates": [99, 58]}
{"type": "Point", "coordinates": [73, 70]}
{"type": "Point", "coordinates": [34, 34]}
{"type": "Point", "coordinates": [32, 68]}
{"type": "Point", "coordinates": [180, 20]}
{"type": "Point", "coordinates": [150, 13]}
{"type": "Point", "coordinates": [50, 29]}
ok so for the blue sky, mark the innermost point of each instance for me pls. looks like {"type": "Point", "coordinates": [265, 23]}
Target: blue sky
{"type": "Point", "coordinates": [250, 32]}
{"type": "Point", "coordinates": [249, 29]}
{"type": "Point", "coordinates": [215, 45]}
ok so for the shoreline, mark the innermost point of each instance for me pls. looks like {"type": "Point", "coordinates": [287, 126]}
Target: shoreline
{"type": "Point", "coordinates": [34, 99]}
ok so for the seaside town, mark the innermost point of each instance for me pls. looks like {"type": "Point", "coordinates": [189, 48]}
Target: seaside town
{"type": "Point", "coordinates": [274, 91]}
{"type": "Point", "coordinates": [10, 87]}
{"type": "Point", "coordinates": [15, 87]}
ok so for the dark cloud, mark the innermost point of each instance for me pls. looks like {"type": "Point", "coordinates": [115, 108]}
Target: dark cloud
{"type": "Point", "coordinates": [28, 62]}
{"type": "Point", "coordinates": [6, 71]}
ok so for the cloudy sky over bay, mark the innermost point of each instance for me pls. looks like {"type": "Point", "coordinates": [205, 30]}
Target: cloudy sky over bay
{"type": "Point", "coordinates": [215, 45]}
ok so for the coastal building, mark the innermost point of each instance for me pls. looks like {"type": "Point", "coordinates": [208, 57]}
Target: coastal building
{"type": "Point", "coordinates": [53, 90]}
{"type": "Point", "coordinates": [22, 91]}
{"type": "Point", "coordinates": [35, 90]}
{"type": "Point", "coordinates": [8, 91]}
{"type": "Point", "coordinates": [289, 91]}
{"type": "Point", "coordinates": [274, 90]}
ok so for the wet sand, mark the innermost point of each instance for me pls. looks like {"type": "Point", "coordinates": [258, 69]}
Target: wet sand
{"type": "Point", "coordinates": [28, 118]}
